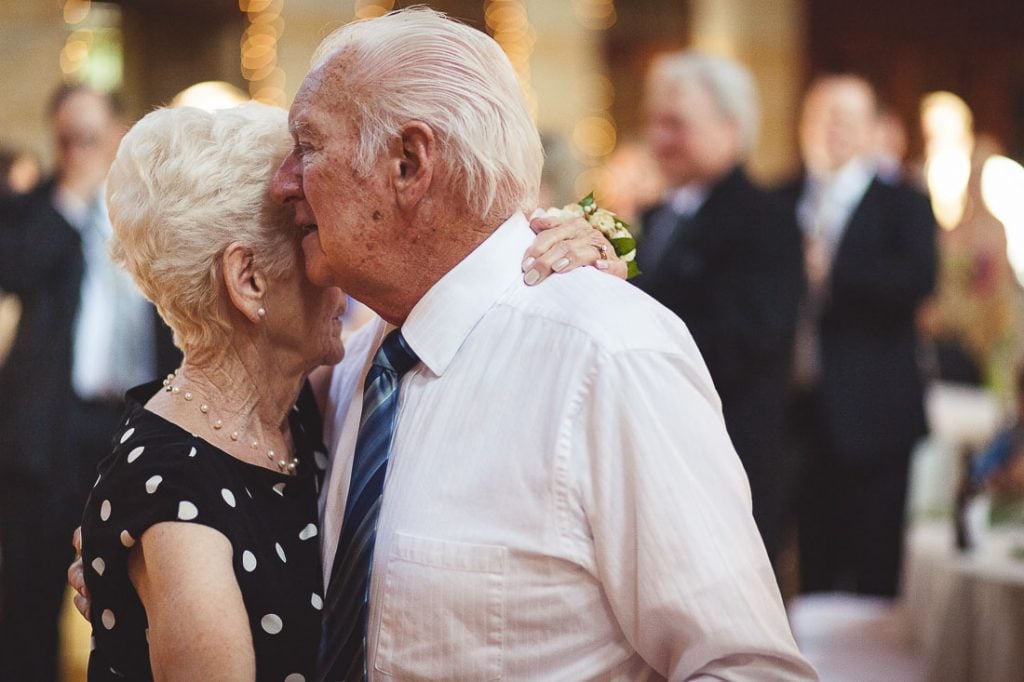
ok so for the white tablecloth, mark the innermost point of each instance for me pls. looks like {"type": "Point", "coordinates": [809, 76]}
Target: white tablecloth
{"type": "Point", "coordinates": [965, 610]}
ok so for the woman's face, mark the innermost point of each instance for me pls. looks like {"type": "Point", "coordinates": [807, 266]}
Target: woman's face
{"type": "Point", "coordinates": [303, 319]}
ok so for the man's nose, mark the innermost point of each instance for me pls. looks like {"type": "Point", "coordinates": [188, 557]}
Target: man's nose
{"type": "Point", "coordinates": [286, 187]}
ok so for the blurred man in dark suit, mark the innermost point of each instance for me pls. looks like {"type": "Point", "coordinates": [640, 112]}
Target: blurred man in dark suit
{"type": "Point", "coordinates": [722, 255]}
{"type": "Point", "coordinates": [84, 337]}
{"type": "Point", "coordinates": [870, 255]}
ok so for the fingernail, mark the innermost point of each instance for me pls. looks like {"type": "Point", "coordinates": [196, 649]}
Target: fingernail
{"type": "Point", "coordinates": [560, 265]}
{"type": "Point", "coordinates": [601, 265]}
{"type": "Point", "coordinates": [527, 263]}
{"type": "Point", "coordinates": [532, 276]}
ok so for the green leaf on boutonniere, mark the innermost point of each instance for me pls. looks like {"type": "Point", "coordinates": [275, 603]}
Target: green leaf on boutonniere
{"type": "Point", "coordinates": [632, 270]}
{"type": "Point", "coordinates": [587, 200]}
{"type": "Point", "coordinates": [623, 245]}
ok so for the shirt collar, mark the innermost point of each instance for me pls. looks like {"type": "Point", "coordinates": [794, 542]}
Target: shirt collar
{"type": "Point", "coordinates": [82, 214]}
{"type": "Point", "coordinates": [440, 322]}
{"type": "Point", "coordinates": [687, 200]}
{"type": "Point", "coordinates": [849, 182]}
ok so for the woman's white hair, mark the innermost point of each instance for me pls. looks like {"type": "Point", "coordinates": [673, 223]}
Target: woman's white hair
{"type": "Point", "coordinates": [730, 84]}
{"type": "Point", "coordinates": [417, 64]}
{"type": "Point", "coordinates": [185, 184]}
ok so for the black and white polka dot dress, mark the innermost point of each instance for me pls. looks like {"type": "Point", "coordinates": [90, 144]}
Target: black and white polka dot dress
{"type": "Point", "coordinates": [159, 472]}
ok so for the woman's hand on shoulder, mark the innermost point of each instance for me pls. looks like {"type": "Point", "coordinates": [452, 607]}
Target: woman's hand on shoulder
{"type": "Point", "coordinates": [198, 625]}
{"type": "Point", "coordinates": [563, 244]}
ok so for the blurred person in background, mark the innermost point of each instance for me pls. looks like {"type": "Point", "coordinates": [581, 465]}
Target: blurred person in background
{"type": "Point", "coordinates": [999, 466]}
{"type": "Point", "coordinates": [859, 408]}
{"type": "Point", "coordinates": [890, 146]}
{"type": "Point", "coordinates": [725, 257]}
{"type": "Point", "coordinates": [629, 182]}
{"type": "Point", "coordinates": [85, 335]}
{"type": "Point", "coordinates": [19, 171]}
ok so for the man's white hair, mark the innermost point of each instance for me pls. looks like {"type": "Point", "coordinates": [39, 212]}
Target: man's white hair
{"type": "Point", "coordinates": [185, 184]}
{"type": "Point", "coordinates": [730, 84]}
{"type": "Point", "coordinates": [417, 64]}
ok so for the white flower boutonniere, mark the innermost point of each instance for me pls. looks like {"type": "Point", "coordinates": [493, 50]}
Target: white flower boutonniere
{"type": "Point", "coordinates": [614, 228]}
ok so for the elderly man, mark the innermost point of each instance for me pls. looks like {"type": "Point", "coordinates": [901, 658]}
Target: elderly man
{"type": "Point", "coordinates": [870, 252]}
{"type": "Point", "coordinates": [561, 499]}
{"type": "Point", "coordinates": [720, 254]}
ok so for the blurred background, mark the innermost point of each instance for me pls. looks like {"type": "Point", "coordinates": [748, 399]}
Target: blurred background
{"type": "Point", "coordinates": [581, 61]}
{"type": "Point", "coordinates": [582, 66]}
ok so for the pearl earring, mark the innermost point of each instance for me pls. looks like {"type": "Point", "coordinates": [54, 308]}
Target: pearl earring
{"type": "Point", "coordinates": [261, 311]}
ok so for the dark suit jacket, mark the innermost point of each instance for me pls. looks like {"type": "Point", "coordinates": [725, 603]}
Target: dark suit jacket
{"type": "Point", "coordinates": [735, 276]}
{"type": "Point", "coordinates": [41, 261]}
{"type": "Point", "coordinates": [871, 390]}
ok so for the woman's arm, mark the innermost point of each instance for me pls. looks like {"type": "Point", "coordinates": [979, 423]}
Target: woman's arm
{"type": "Point", "coordinates": [198, 626]}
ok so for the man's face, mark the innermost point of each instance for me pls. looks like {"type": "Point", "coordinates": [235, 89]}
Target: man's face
{"type": "Point", "coordinates": [86, 135]}
{"type": "Point", "coordinates": [689, 137]}
{"type": "Point", "coordinates": [346, 215]}
{"type": "Point", "coordinates": [837, 125]}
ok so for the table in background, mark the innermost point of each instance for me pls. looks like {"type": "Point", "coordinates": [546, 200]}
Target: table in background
{"type": "Point", "coordinates": [965, 610]}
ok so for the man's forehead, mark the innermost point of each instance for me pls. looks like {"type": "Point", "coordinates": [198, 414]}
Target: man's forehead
{"type": "Point", "coordinates": [309, 100]}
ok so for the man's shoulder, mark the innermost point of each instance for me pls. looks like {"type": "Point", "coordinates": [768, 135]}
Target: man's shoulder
{"type": "Point", "coordinates": [735, 199]}
{"type": "Point", "coordinates": [36, 204]}
{"type": "Point", "coordinates": [900, 197]}
{"type": "Point", "coordinates": [612, 314]}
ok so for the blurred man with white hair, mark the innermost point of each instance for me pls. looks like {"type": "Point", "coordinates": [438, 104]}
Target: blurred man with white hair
{"type": "Point", "coordinates": [721, 255]}
{"type": "Point", "coordinates": [492, 511]}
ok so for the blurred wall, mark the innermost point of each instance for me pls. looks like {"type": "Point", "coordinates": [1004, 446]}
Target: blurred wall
{"type": "Point", "coordinates": [169, 46]}
{"type": "Point", "coordinates": [768, 37]}
{"type": "Point", "coordinates": [32, 35]}
{"type": "Point", "coordinates": [910, 47]}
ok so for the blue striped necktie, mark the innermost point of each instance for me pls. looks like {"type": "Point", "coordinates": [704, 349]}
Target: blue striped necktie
{"type": "Point", "coordinates": [343, 640]}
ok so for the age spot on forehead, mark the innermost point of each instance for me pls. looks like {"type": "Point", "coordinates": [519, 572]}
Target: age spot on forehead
{"type": "Point", "coordinates": [376, 215]}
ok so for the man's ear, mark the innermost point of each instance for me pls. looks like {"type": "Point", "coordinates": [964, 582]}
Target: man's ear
{"type": "Point", "coordinates": [244, 282]}
{"type": "Point", "coordinates": [414, 162]}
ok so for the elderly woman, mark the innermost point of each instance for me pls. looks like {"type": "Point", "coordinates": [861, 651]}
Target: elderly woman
{"type": "Point", "coordinates": [200, 544]}
{"type": "Point", "coordinates": [200, 535]}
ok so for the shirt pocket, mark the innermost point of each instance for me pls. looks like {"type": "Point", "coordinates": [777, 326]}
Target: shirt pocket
{"type": "Point", "coordinates": [443, 610]}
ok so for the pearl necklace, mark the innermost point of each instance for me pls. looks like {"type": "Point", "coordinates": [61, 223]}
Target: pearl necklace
{"type": "Point", "coordinates": [288, 465]}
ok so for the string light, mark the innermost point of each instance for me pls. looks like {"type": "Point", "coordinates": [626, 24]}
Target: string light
{"type": "Point", "coordinates": [594, 136]}
{"type": "Point", "coordinates": [92, 49]}
{"type": "Point", "coordinates": [508, 23]}
{"type": "Point", "coordinates": [76, 51]}
{"type": "Point", "coordinates": [259, 50]}
{"type": "Point", "coordinates": [79, 42]}
{"type": "Point", "coordinates": [75, 11]}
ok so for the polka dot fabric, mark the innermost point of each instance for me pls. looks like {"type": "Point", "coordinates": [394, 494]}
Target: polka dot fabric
{"type": "Point", "coordinates": [158, 472]}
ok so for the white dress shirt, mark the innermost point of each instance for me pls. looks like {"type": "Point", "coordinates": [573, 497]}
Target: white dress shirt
{"type": "Point", "coordinates": [687, 200]}
{"type": "Point", "coordinates": [114, 332]}
{"type": "Point", "coordinates": [828, 203]}
{"type": "Point", "coordinates": [562, 501]}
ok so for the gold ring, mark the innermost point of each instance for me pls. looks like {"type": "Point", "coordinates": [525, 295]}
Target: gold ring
{"type": "Point", "coordinates": [603, 250]}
